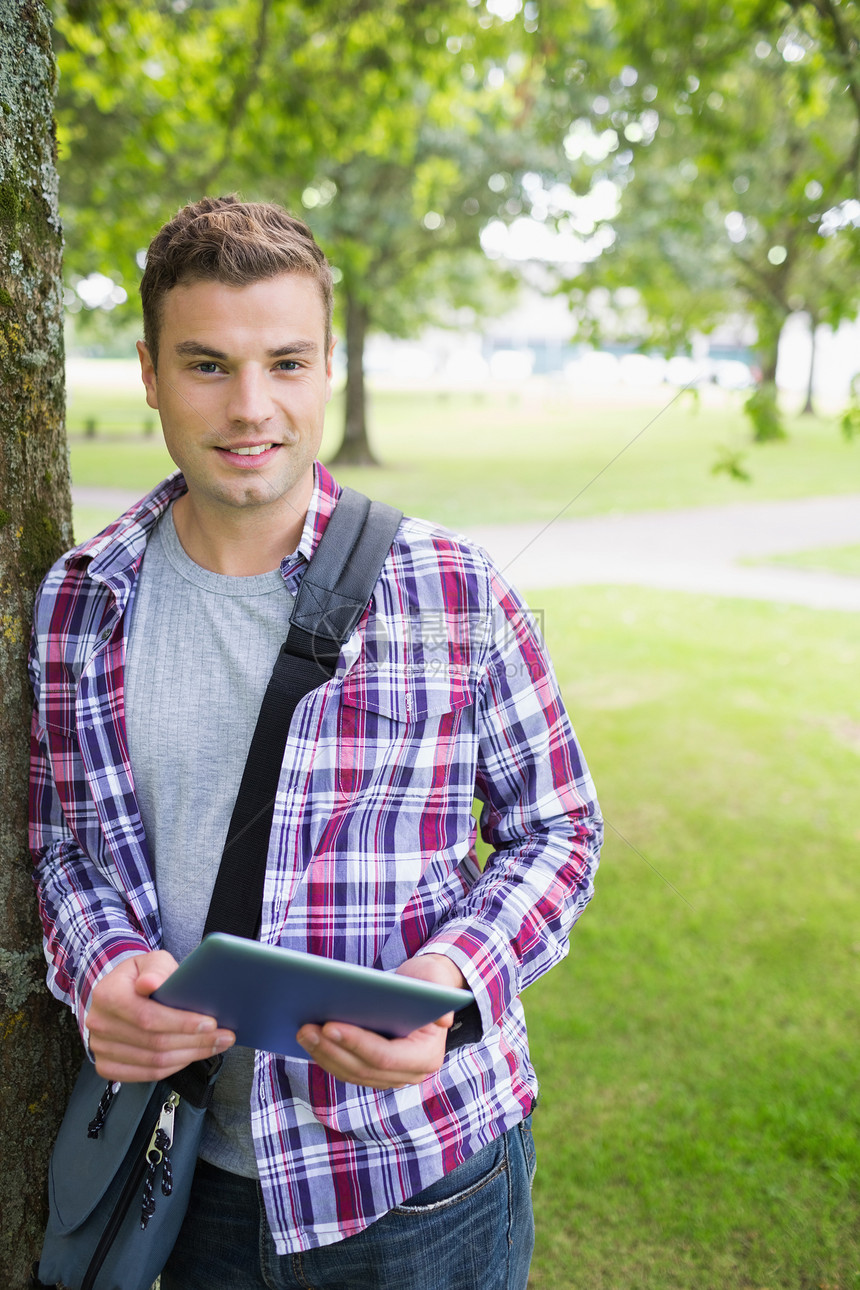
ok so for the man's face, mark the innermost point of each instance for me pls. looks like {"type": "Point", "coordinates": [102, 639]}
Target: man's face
{"type": "Point", "coordinates": [242, 384]}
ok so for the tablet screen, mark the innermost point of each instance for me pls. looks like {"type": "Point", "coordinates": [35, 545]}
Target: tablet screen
{"type": "Point", "coordinates": [265, 994]}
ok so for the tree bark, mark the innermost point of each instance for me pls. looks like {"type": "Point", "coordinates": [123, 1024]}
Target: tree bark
{"type": "Point", "coordinates": [39, 1049]}
{"type": "Point", "coordinates": [355, 447]}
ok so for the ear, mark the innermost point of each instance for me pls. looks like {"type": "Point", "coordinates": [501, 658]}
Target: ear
{"type": "Point", "coordinates": [329, 370]}
{"type": "Point", "coordinates": [147, 374]}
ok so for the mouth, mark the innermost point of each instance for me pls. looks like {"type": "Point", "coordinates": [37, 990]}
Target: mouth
{"type": "Point", "coordinates": [246, 455]}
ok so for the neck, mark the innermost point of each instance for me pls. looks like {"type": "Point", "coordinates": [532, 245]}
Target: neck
{"type": "Point", "coordinates": [240, 543]}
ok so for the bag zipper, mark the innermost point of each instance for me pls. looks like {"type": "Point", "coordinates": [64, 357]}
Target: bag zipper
{"type": "Point", "coordinates": [132, 1184]}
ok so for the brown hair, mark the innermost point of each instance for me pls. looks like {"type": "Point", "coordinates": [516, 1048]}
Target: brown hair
{"type": "Point", "coordinates": [223, 239]}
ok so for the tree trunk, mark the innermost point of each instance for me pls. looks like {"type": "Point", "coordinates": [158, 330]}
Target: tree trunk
{"type": "Point", "coordinates": [762, 406]}
{"type": "Point", "coordinates": [769, 350]}
{"type": "Point", "coordinates": [808, 407]}
{"type": "Point", "coordinates": [40, 1048]}
{"type": "Point", "coordinates": [355, 447]}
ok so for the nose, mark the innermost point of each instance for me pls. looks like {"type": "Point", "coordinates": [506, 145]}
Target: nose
{"type": "Point", "coordinates": [250, 401]}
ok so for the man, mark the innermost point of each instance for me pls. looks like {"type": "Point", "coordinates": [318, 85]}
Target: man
{"type": "Point", "coordinates": [378, 1162]}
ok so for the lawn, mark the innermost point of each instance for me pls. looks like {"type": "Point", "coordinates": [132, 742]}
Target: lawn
{"type": "Point", "coordinates": [828, 559]}
{"type": "Point", "coordinates": [698, 1050]}
{"type": "Point", "coordinates": [467, 459]}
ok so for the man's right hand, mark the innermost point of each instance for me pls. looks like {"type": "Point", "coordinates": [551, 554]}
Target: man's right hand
{"type": "Point", "coordinates": [133, 1038]}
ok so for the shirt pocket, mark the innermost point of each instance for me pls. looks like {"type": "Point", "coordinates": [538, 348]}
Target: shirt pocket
{"type": "Point", "coordinates": [389, 817]}
{"type": "Point", "coordinates": [393, 782]}
{"type": "Point", "coordinates": [400, 732]}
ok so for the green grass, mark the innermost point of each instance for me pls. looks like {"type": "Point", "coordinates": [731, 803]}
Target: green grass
{"type": "Point", "coordinates": [467, 459]}
{"type": "Point", "coordinates": [830, 559]}
{"type": "Point", "coordinates": [698, 1050]}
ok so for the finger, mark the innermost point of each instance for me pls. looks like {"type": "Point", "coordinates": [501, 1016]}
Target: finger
{"type": "Point", "coordinates": [140, 1013]}
{"type": "Point", "coordinates": [131, 1030]}
{"type": "Point", "coordinates": [337, 1060]}
{"type": "Point", "coordinates": [171, 1054]}
{"type": "Point", "coordinates": [358, 1049]}
{"type": "Point", "coordinates": [151, 1046]}
{"type": "Point", "coordinates": [146, 984]}
{"type": "Point", "coordinates": [363, 1057]}
{"type": "Point", "coordinates": [147, 1034]}
{"type": "Point", "coordinates": [126, 1067]}
{"type": "Point", "coordinates": [158, 1018]}
{"type": "Point", "coordinates": [157, 965]}
{"type": "Point", "coordinates": [351, 1072]}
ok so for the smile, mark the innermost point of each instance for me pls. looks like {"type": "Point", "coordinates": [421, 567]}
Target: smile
{"type": "Point", "coordinates": [244, 458]}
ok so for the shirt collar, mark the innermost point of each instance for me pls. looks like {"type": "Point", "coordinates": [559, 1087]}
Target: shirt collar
{"type": "Point", "coordinates": [323, 501]}
{"type": "Point", "coordinates": [122, 543]}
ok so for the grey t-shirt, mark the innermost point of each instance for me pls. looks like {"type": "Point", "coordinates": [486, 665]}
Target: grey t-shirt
{"type": "Point", "coordinates": [201, 648]}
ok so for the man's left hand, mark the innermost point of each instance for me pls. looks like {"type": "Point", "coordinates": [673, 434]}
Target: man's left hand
{"type": "Point", "coordinates": [360, 1056]}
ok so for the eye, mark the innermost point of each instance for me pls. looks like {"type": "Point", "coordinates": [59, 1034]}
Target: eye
{"type": "Point", "coordinates": [207, 366]}
{"type": "Point", "coordinates": [288, 365]}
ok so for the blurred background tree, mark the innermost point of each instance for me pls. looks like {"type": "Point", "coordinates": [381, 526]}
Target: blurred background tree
{"type": "Point", "coordinates": [382, 121]}
{"type": "Point", "coordinates": [704, 158]}
{"type": "Point", "coordinates": [732, 135]}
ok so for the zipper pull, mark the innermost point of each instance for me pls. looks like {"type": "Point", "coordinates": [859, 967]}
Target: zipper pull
{"type": "Point", "coordinates": [97, 1123]}
{"type": "Point", "coordinates": [166, 1125]}
{"type": "Point", "coordinates": [157, 1153]}
{"type": "Point", "coordinates": [166, 1119]}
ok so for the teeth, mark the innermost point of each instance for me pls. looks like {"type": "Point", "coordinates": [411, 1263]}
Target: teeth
{"type": "Point", "coordinates": [253, 452]}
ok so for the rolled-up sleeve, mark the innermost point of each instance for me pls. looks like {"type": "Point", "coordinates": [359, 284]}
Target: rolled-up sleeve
{"type": "Point", "coordinates": [540, 815]}
{"type": "Point", "coordinates": [86, 922]}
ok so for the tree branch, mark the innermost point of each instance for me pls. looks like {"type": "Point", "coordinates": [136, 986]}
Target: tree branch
{"type": "Point", "coordinates": [242, 95]}
{"type": "Point", "coordinates": [847, 46]}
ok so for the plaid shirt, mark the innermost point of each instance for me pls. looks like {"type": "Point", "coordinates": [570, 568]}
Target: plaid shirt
{"type": "Point", "coordinates": [444, 692]}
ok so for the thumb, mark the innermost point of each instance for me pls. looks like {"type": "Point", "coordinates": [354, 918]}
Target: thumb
{"type": "Point", "coordinates": [152, 971]}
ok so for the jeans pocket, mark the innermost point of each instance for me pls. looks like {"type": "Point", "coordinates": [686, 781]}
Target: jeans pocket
{"type": "Point", "coordinates": [524, 1128]}
{"type": "Point", "coordinates": [463, 1182]}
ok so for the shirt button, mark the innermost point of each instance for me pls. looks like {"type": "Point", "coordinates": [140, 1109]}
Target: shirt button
{"type": "Point", "coordinates": [105, 636]}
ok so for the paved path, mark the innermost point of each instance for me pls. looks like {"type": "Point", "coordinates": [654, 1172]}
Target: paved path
{"type": "Point", "coordinates": [689, 550]}
{"type": "Point", "coordinates": [696, 550]}
{"type": "Point", "coordinates": [111, 499]}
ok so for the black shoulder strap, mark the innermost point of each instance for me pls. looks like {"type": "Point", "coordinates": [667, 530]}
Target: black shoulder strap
{"type": "Point", "coordinates": [334, 593]}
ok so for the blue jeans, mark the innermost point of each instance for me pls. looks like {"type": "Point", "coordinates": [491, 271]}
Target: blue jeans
{"type": "Point", "coordinates": [471, 1230]}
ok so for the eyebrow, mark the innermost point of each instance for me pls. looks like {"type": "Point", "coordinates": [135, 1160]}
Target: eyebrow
{"type": "Point", "coordinates": [198, 349]}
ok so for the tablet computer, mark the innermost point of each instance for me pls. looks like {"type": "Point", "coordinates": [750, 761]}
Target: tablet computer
{"type": "Point", "coordinates": [265, 994]}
